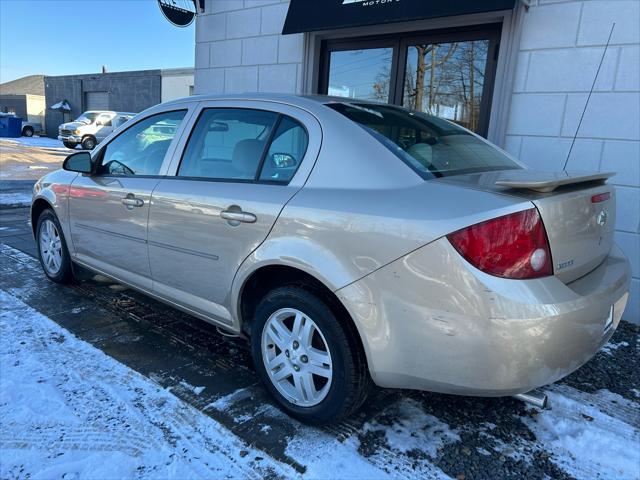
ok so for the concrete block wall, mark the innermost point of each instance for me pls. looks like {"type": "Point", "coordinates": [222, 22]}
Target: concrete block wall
{"type": "Point", "coordinates": [239, 48]}
{"type": "Point", "coordinates": [128, 91]}
{"type": "Point", "coordinates": [561, 46]}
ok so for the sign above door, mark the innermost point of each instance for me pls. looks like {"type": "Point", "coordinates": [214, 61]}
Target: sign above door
{"type": "Point", "coordinates": [307, 16]}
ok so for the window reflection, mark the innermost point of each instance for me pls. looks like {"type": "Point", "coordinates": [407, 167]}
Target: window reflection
{"type": "Point", "coordinates": [447, 80]}
{"type": "Point", "coordinates": [363, 74]}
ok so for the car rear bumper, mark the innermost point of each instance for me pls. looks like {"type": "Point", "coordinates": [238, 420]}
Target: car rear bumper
{"type": "Point", "coordinates": [431, 321]}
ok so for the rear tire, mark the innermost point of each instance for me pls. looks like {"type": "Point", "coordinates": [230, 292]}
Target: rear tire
{"type": "Point", "coordinates": [89, 143]}
{"type": "Point", "coordinates": [52, 248]}
{"type": "Point", "coordinates": [70, 145]}
{"type": "Point", "coordinates": [27, 131]}
{"type": "Point", "coordinates": [319, 375]}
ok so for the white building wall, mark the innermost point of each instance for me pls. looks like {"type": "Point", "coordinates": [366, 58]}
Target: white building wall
{"type": "Point", "coordinates": [176, 83]}
{"type": "Point", "coordinates": [561, 46]}
{"type": "Point", "coordinates": [239, 48]}
{"type": "Point", "coordinates": [36, 109]}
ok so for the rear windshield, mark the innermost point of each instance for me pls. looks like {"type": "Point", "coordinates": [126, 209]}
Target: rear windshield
{"type": "Point", "coordinates": [431, 146]}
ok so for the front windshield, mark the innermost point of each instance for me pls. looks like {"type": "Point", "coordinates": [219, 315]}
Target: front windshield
{"type": "Point", "coordinates": [87, 117]}
{"type": "Point", "coordinates": [431, 146]}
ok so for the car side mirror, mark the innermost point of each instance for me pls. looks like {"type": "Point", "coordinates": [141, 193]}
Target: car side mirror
{"type": "Point", "coordinates": [283, 160]}
{"type": "Point", "coordinates": [78, 162]}
{"type": "Point", "coordinates": [99, 123]}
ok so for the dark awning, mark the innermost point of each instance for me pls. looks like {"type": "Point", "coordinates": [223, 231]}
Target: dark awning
{"type": "Point", "coordinates": [310, 15]}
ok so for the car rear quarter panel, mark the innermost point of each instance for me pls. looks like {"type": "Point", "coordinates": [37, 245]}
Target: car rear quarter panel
{"type": "Point", "coordinates": [432, 321]}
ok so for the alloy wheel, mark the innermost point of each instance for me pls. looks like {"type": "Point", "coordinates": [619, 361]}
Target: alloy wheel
{"type": "Point", "coordinates": [296, 357]}
{"type": "Point", "coordinates": [50, 247]}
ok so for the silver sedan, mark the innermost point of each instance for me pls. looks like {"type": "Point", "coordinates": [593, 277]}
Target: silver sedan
{"type": "Point", "coordinates": [352, 243]}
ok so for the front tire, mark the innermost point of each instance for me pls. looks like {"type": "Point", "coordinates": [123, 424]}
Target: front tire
{"type": "Point", "coordinates": [52, 248]}
{"type": "Point", "coordinates": [27, 131]}
{"type": "Point", "coordinates": [89, 143]}
{"type": "Point", "coordinates": [71, 145]}
{"type": "Point", "coordinates": [306, 357]}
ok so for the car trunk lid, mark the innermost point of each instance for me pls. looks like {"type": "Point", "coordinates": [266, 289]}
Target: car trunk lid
{"type": "Point", "coordinates": [578, 211]}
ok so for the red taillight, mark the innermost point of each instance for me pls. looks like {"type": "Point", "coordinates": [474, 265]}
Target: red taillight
{"type": "Point", "coordinates": [601, 197]}
{"type": "Point", "coordinates": [513, 246]}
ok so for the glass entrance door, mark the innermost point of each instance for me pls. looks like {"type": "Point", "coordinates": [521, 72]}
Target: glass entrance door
{"type": "Point", "coordinates": [447, 80]}
{"type": "Point", "coordinates": [362, 73]}
{"type": "Point", "coordinates": [449, 74]}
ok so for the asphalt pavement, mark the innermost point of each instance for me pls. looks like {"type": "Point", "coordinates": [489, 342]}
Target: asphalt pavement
{"type": "Point", "coordinates": [406, 434]}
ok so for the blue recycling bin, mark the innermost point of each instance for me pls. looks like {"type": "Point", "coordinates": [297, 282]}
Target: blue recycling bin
{"type": "Point", "coordinates": [10, 126]}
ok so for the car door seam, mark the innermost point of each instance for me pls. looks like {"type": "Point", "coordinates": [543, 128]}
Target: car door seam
{"type": "Point", "coordinates": [273, 225]}
{"type": "Point", "coordinates": [146, 230]}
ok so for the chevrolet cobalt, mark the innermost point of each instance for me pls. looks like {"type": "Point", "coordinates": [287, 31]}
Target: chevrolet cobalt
{"type": "Point", "coordinates": [352, 243]}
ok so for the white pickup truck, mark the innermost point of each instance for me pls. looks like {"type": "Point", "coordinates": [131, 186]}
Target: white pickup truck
{"type": "Point", "coordinates": [91, 127]}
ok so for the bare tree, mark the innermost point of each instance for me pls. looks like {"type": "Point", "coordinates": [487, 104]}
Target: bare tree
{"type": "Point", "coordinates": [416, 92]}
{"type": "Point", "coordinates": [471, 79]}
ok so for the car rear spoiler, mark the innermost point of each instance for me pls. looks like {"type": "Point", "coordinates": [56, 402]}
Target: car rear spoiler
{"type": "Point", "coordinates": [546, 182]}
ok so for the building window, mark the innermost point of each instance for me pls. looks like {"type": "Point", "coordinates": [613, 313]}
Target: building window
{"type": "Point", "coordinates": [363, 73]}
{"type": "Point", "coordinates": [449, 74]}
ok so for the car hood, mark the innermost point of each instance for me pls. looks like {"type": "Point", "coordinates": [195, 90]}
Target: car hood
{"type": "Point", "coordinates": [71, 125]}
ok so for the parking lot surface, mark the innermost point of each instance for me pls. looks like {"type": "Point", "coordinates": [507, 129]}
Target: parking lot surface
{"type": "Point", "coordinates": [591, 431]}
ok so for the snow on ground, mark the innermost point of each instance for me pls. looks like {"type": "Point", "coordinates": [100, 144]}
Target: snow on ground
{"type": "Point", "coordinates": [589, 434]}
{"type": "Point", "coordinates": [408, 419]}
{"type": "Point", "coordinates": [43, 142]}
{"type": "Point", "coordinates": [322, 455]}
{"type": "Point", "coordinates": [15, 199]}
{"type": "Point", "coordinates": [67, 410]}
{"type": "Point", "coordinates": [610, 347]}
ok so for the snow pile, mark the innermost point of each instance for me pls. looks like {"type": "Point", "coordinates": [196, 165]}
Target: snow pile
{"type": "Point", "coordinates": [68, 410]}
{"type": "Point", "coordinates": [589, 437]}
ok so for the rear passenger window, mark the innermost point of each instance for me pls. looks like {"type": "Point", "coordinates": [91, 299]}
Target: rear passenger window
{"type": "Point", "coordinates": [285, 152]}
{"type": "Point", "coordinates": [227, 144]}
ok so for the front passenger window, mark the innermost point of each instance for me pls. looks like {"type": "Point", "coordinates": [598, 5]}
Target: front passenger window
{"type": "Point", "coordinates": [140, 150]}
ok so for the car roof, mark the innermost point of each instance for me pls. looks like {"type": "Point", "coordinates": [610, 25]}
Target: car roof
{"type": "Point", "coordinates": [109, 111]}
{"type": "Point", "coordinates": [299, 100]}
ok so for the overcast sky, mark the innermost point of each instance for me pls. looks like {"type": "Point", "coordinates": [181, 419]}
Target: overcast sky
{"type": "Point", "coordinates": [61, 37]}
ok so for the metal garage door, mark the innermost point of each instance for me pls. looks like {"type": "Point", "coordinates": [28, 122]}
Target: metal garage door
{"type": "Point", "coordinates": [96, 100]}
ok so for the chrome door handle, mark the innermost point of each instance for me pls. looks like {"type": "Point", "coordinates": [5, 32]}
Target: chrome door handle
{"type": "Point", "coordinates": [238, 216]}
{"type": "Point", "coordinates": [132, 202]}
